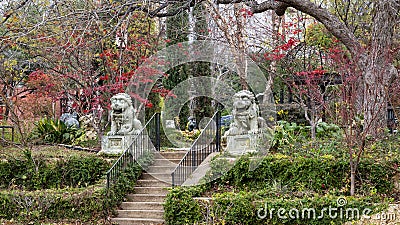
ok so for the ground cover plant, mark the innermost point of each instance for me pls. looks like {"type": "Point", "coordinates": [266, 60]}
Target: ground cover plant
{"type": "Point", "coordinates": [299, 173]}
{"type": "Point", "coordinates": [61, 186]}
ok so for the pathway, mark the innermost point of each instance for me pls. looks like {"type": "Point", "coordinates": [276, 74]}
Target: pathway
{"type": "Point", "coordinates": [145, 205]}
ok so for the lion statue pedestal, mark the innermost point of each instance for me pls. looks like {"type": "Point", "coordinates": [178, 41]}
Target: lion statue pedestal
{"type": "Point", "coordinates": [124, 125]}
{"type": "Point", "coordinates": [115, 144]}
{"type": "Point", "coordinates": [245, 129]}
{"type": "Point", "coordinates": [241, 144]}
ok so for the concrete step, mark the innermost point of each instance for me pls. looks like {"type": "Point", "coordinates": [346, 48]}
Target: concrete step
{"type": "Point", "coordinates": [151, 182]}
{"type": "Point", "coordinates": [137, 221]}
{"type": "Point", "coordinates": [145, 206]}
{"type": "Point", "coordinates": [146, 197]}
{"type": "Point", "coordinates": [200, 171]}
{"type": "Point", "coordinates": [160, 169]}
{"type": "Point", "coordinates": [151, 190]}
{"type": "Point", "coordinates": [161, 162]}
{"type": "Point", "coordinates": [150, 214]}
{"type": "Point", "coordinates": [164, 177]}
{"type": "Point", "coordinates": [142, 205]}
{"type": "Point", "coordinates": [169, 155]}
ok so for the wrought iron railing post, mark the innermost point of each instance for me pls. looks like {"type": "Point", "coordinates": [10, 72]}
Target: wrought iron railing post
{"type": "Point", "coordinates": [131, 154]}
{"type": "Point", "coordinates": [12, 134]}
{"type": "Point", "coordinates": [108, 180]}
{"type": "Point", "coordinates": [158, 124]}
{"type": "Point", "coordinates": [173, 179]}
{"type": "Point", "coordinates": [199, 150]}
{"type": "Point", "coordinates": [218, 131]}
{"type": "Point", "coordinates": [194, 154]}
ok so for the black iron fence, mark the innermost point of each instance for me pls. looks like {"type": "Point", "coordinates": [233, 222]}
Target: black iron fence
{"type": "Point", "coordinates": [142, 144]}
{"type": "Point", "coordinates": [153, 130]}
{"type": "Point", "coordinates": [392, 121]}
{"type": "Point", "coordinates": [208, 142]}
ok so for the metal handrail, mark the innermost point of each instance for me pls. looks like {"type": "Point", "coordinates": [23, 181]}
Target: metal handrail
{"type": "Point", "coordinates": [194, 143]}
{"type": "Point", "coordinates": [135, 150]}
{"type": "Point", "coordinates": [198, 152]}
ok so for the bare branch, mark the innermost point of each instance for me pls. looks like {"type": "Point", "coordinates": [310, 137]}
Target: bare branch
{"type": "Point", "coordinates": [278, 7]}
{"type": "Point", "coordinates": [331, 22]}
{"type": "Point", "coordinates": [11, 12]}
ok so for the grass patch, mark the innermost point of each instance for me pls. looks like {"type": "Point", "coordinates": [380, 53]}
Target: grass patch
{"type": "Point", "coordinates": [43, 151]}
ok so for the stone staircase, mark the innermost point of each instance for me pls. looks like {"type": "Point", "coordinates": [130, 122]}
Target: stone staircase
{"type": "Point", "coordinates": [144, 206]}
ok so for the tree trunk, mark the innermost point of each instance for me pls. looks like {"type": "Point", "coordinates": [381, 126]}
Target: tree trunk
{"type": "Point", "coordinates": [375, 103]}
{"type": "Point", "coordinates": [352, 179]}
{"type": "Point", "coordinates": [375, 63]}
{"type": "Point", "coordinates": [241, 61]}
{"type": "Point", "coordinates": [313, 130]}
{"type": "Point", "coordinates": [268, 94]}
{"type": "Point", "coordinates": [378, 69]}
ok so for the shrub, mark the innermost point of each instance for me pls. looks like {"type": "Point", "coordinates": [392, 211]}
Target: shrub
{"type": "Point", "coordinates": [55, 131]}
{"type": "Point", "coordinates": [81, 172]}
{"type": "Point", "coordinates": [299, 174]}
{"type": "Point", "coordinates": [33, 174]}
{"type": "Point", "coordinates": [261, 207]}
{"type": "Point", "coordinates": [287, 133]}
{"type": "Point", "coordinates": [253, 208]}
{"type": "Point", "coordinates": [181, 208]}
{"type": "Point", "coordinates": [231, 208]}
{"type": "Point", "coordinates": [92, 203]}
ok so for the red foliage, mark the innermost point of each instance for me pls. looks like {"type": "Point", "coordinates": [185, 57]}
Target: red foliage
{"type": "Point", "coordinates": [99, 75]}
{"type": "Point", "coordinates": [280, 51]}
{"type": "Point", "coordinates": [43, 83]}
{"type": "Point", "coordinates": [246, 12]}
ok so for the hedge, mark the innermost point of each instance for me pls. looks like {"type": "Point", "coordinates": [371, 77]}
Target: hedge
{"type": "Point", "coordinates": [91, 204]}
{"type": "Point", "coordinates": [85, 204]}
{"type": "Point", "coordinates": [318, 174]}
{"type": "Point", "coordinates": [35, 174]}
{"type": "Point", "coordinates": [279, 181]}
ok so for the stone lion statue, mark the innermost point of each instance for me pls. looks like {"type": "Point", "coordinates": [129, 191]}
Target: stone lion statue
{"type": "Point", "coordinates": [70, 119]}
{"type": "Point", "coordinates": [245, 114]}
{"type": "Point", "coordinates": [123, 116]}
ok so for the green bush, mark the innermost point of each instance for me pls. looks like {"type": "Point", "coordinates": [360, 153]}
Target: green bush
{"type": "Point", "coordinates": [232, 208]}
{"type": "Point", "coordinates": [181, 208]}
{"type": "Point", "coordinates": [92, 203]}
{"type": "Point", "coordinates": [260, 207]}
{"type": "Point", "coordinates": [52, 131]}
{"type": "Point", "coordinates": [313, 176]}
{"type": "Point", "coordinates": [377, 178]}
{"type": "Point", "coordinates": [33, 174]}
{"type": "Point", "coordinates": [287, 133]}
{"type": "Point", "coordinates": [124, 184]}
{"type": "Point", "coordinates": [304, 174]}
{"type": "Point", "coordinates": [253, 208]}
{"type": "Point", "coordinates": [81, 171]}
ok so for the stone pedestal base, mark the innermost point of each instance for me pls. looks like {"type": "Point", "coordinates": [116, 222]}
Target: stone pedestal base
{"type": "Point", "coordinates": [241, 144]}
{"type": "Point", "coordinates": [115, 144]}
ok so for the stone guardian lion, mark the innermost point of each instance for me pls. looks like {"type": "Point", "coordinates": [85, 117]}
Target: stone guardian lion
{"type": "Point", "coordinates": [245, 114]}
{"type": "Point", "coordinates": [123, 116]}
